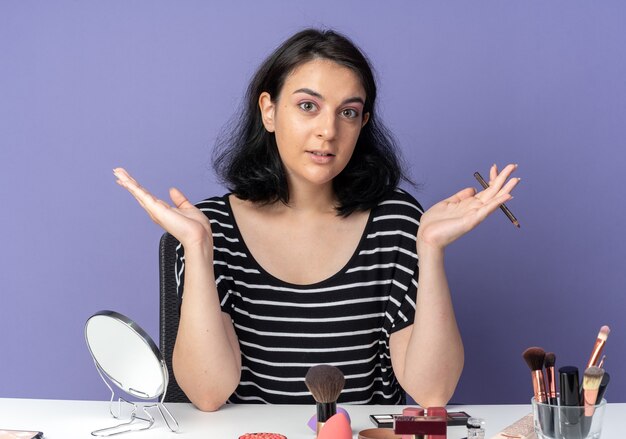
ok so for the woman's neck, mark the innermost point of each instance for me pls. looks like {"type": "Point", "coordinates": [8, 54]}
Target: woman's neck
{"type": "Point", "coordinates": [312, 199]}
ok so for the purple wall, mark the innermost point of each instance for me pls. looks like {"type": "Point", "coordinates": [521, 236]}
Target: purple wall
{"type": "Point", "coordinates": [87, 86]}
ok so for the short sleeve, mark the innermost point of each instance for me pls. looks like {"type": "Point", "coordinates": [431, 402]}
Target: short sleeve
{"type": "Point", "coordinates": [405, 315]}
{"type": "Point", "coordinates": [179, 270]}
{"type": "Point", "coordinates": [221, 227]}
{"type": "Point", "coordinates": [402, 215]}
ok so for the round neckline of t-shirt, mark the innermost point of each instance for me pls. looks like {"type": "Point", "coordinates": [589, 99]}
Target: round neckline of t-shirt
{"type": "Point", "coordinates": [355, 253]}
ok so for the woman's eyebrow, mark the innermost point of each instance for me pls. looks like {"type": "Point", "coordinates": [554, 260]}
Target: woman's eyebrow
{"type": "Point", "coordinates": [317, 95]}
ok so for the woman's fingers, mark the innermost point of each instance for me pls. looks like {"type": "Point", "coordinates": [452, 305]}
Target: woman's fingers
{"type": "Point", "coordinates": [125, 186]}
{"type": "Point", "coordinates": [493, 173]}
{"type": "Point", "coordinates": [509, 186]}
{"type": "Point", "coordinates": [125, 177]}
{"type": "Point", "coordinates": [131, 184]}
{"type": "Point", "coordinates": [496, 184]}
{"type": "Point", "coordinates": [149, 202]}
{"type": "Point", "coordinates": [489, 207]}
{"type": "Point", "coordinates": [185, 221]}
{"type": "Point", "coordinates": [461, 195]}
{"type": "Point", "coordinates": [179, 199]}
{"type": "Point", "coordinates": [504, 175]}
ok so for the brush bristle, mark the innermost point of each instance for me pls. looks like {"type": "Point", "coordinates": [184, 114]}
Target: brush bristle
{"type": "Point", "coordinates": [549, 360]}
{"type": "Point", "coordinates": [604, 332]}
{"type": "Point", "coordinates": [593, 378]}
{"type": "Point", "coordinates": [534, 357]}
{"type": "Point", "coordinates": [325, 382]}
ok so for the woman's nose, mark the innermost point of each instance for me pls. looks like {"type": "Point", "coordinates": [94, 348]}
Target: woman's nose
{"type": "Point", "coordinates": [327, 126]}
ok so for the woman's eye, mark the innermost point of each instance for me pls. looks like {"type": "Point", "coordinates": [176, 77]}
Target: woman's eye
{"type": "Point", "coordinates": [349, 113]}
{"type": "Point", "coordinates": [307, 106]}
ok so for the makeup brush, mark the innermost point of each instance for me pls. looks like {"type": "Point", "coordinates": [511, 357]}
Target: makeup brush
{"type": "Point", "coordinates": [598, 346]}
{"type": "Point", "coordinates": [591, 384]}
{"type": "Point", "coordinates": [602, 389]}
{"type": "Point", "coordinates": [535, 357]}
{"type": "Point", "coordinates": [548, 363]}
{"type": "Point", "coordinates": [325, 383]}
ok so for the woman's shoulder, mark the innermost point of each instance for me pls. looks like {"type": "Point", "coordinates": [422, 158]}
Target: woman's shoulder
{"type": "Point", "coordinates": [217, 200]}
{"type": "Point", "coordinates": [215, 206]}
{"type": "Point", "coordinates": [399, 211]}
{"type": "Point", "coordinates": [401, 201]}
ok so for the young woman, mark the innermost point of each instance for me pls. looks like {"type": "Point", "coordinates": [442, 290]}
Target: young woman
{"type": "Point", "coordinates": [313, 256]}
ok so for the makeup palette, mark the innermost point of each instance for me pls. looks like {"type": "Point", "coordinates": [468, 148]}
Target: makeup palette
{"type": "Point", "coordinates": [453, 419]}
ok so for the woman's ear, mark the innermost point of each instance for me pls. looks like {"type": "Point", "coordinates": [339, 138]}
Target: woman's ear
{"type": "Point", "coordinates": [267, 108]}
{"type": "Point", "coordinates": [366, 117]}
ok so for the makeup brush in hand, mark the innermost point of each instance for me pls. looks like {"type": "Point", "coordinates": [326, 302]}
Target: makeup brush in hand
{"type": "Point", "coordinates": [535, 358]}
{"type": "Point", "coordinates": [591, 384]}
{"type": "Point", "coordinates": [325, 383]}
{"type": "Point", "coordinates": [548, 362]}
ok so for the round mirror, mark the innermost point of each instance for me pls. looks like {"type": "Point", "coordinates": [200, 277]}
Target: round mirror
{"type": "Point", "coordinates": [126, 354]}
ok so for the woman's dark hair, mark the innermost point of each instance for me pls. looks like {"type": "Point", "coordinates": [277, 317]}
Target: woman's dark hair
{"type": "Point", "coordinates": [247, 159]}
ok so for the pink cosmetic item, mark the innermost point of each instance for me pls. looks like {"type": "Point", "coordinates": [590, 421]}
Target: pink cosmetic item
{"type": "Point", "coordinates": [385, 420]}
{"type": "Point", "coordinates": [262, 436]}
{"type": "Point", "coordinates": [413, 411]}
{"type": "Point", "coordinates": [20, 434]}
{"type": "Point", "coordinates": [313, 421]}
{"type": "Point", "coordinates": [337, 427]}
{"type": "Point", "coordinates": [414, 422]}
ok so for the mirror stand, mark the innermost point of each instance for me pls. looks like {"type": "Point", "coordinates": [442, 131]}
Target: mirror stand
{"type": "Point", "coordinates": [135, 423]}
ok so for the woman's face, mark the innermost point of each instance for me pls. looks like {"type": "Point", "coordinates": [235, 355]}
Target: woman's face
{"type": "Point", "coordinates": [316, 120]}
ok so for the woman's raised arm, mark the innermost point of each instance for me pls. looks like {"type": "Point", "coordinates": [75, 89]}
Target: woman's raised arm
{"type": "Point", "coordinates": [428, 356]}
{"type": "Point", "coordinates": [206, 358]}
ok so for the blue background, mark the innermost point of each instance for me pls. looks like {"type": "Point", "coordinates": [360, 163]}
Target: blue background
{"type": "Point", "coordinates": [88, 86]}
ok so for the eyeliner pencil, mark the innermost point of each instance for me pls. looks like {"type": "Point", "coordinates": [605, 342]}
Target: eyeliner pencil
{"type": "Point", "coordinates": [505, 209]}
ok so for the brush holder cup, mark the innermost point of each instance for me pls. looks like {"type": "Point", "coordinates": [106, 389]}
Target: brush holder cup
{"type": "Point", "coordinates": [561, 422]}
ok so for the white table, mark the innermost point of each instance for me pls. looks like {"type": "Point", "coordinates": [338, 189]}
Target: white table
{"type": "Point", "coordinates": [63, 419]}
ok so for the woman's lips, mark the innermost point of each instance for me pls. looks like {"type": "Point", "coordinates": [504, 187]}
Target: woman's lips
{"type": "Point", "coordinates": [320, 157]}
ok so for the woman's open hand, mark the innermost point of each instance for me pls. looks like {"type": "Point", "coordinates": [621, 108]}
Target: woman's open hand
{"type": "Point", "coordinates": [184, 221]}
{"type": "Point", "coordinates": [450, 219]}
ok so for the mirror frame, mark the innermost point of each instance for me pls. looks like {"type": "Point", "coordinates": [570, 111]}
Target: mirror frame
{"type": "Point", "coordinates": [145, 337]}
